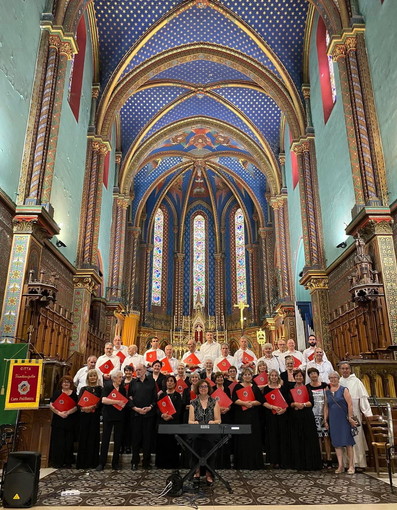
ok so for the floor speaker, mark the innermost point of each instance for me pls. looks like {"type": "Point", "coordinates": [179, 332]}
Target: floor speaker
{"type": "Point", "coordinates": [21, 479]}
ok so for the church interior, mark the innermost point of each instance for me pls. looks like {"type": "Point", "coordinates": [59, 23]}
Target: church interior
{"type": "Point", "coordinates": [172, 167]}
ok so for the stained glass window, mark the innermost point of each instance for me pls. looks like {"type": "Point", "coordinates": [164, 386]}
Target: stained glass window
{"type": "Point", "coordinates": [331, 69]}
{"type": "Point", "coordinates": [241, 277]}
{"type": "Point", "coordinates": [199, 258]}
{"type": "Point", "coordinates": [158, 238]}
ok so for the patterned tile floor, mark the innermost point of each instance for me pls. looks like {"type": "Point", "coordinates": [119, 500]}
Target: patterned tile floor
{"type": "Point", "coordinates": [250, 488]}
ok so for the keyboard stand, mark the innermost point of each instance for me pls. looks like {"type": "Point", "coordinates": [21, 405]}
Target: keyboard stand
{"type": "Point", "coordinates": [203, 461]}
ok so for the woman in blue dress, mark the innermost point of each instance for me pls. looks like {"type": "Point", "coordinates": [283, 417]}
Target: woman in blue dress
{"type": "Point", "coordinates": [338, 416]}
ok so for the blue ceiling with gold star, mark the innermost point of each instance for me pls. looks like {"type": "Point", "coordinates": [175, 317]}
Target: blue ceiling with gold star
{"type": "Point", "coordinates": [268, 33]}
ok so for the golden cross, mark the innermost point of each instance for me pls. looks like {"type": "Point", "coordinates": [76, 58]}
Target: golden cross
{"type": "Point", "coordinates": [241, 305]}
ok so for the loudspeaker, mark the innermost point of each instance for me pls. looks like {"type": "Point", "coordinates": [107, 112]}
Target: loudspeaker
{"type": "Point", "coordinates": [21, 479]}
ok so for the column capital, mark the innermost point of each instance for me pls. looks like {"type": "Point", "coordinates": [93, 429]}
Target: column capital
{"type": "Point", "coordinates": [281, 158]}
{"type": "Point", "coordinates": [278, 201]}
{"type": "Point", "coordinates": [302, 144]}
{"type": "Point", "coordinates": [340, 45]}
{"type": "Point", "coordinates": [371, 221]}
{"type": "Point", "coordinates": [122, 201]}
{"type": "Point", "coordinates": [314, 279]}
{"type": "Point", "coordinates": [87, 279]}
{"type": "Point", "coordinates": [136, 231]}
{"type": "Point", "coordinates": [34, 220]}
{"type": "Point", "coordinates": [118, 156]}
{"type": "Point", "coordinates": [66, 43]}
{"type": "Point", "coordinates": [95, 90]}
{"type": "Point", "coordinates": [306, 91]}
{"type": "Point", "coordinates": [99, 144]}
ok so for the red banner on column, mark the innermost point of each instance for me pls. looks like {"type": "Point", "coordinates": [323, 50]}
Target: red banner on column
{"type": "Point", "coordinates": [24, 383]}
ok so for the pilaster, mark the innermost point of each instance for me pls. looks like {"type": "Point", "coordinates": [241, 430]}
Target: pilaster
{"type": "Point", "coordinates": [280, 207]}
{"type": "Point", "coordinates": [220, 290]}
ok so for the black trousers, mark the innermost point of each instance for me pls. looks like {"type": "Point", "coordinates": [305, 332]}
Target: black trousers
{"type": "Point", "coordinates": [143, 427]}
{"type": "Point", "coordinates": [117, 427]}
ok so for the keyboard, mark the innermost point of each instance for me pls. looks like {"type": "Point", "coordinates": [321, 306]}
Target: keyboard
{"type": "Point", "coordinates": [185, 428]}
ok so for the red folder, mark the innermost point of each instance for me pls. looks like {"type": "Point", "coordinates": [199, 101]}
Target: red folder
{"type": "Point", "coordinates": [121, 355]}
{"type": "Point", "coordinates": [247, 358]}
{"type": "Point", "coordinates": [64, 403]}
{"type": "Point", "coordinates": [297, 362]}
{"type": "Point", "coordinates": [300, 395]}
{"type": "Point", "coordinates": [166, 406]}
{"type": "Point", "coordinates": [192, 395]}
{"type": "Point", "coordinates": [116, 395]}
{"type": "Point", "coordinates": [261, 379]}
{"type": "Point", "coordinates": [151, 356]}
{"type": "Point", "coordinates": [222, 398]}
{"type": "Point", "coordinates": [180, 385]}
{"type": "Point", "coordinates": [192, 359]}
{"type": "Point", "coordinates": [311, 357]}
{"type": "Point", "coordinates": [88, 399]}
{"type": "Point", "coordinates": [166, 368]}
{"type": "Point", "coordinates": [210, 382]}
{"type": "Point", "coordinates": [106, 367]}
{"type": "Point", "coordinates": [246, 395]}
{"type": "Point", "coordinates": [224, 365]}
{"type": "Point", "coordinates": [275, 398]}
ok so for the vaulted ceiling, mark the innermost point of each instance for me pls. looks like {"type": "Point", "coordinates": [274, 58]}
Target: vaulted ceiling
{"type": "Point", "coordinates": [200, 88]}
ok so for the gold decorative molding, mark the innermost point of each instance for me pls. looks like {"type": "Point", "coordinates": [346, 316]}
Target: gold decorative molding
{"type": "Point", "coordinates": [34, 220]}
{"type": "Point", "coordinates": [87, 279]}
{"type": "Point", "coordinates": [99, 144]}
{"type": "Point", "coordinates": [66, 42]}
{"type": "Point", "coordinates": [345, 42]}
{"type": "Point", "coordinates": [314, 280]}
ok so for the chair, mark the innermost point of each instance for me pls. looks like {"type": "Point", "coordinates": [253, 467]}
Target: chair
{"type": "Point", "coordinates": [379, 437]}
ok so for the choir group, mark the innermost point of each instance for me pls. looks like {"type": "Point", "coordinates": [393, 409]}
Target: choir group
{"type": "Point", "coordinates": [295, 402]}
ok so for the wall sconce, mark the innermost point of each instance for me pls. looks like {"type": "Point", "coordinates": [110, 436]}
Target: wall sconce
{"type": "Point", "coordinates": [341, 245]}
{"type": "Point", "coordinates": [60, 244]}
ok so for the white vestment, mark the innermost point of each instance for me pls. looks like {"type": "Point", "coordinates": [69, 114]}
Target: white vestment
{"type": "Point", "coordinates": [361, 406]}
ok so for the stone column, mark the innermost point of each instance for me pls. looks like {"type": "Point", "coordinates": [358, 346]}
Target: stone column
{"type": "Point", "coordinates": [120, 205]}
{"type": "Point", "coordinates": [253, 269]}
{"type": "Point", "coordinates": [220, 289]}
{"type": "Point", "coordinates": [131, 277]}
{"type": "Point", "coordinates": [32, 225]}
{"type": "Point", "coordinates": [362, 128]}
{"type": "Point", "coordinates": [91, 203]}
{"type": "Point", "coordinates": [145, 281]}
{"type": "Point", "coordinates": [61, 48]}
{"type": "Point", "coordinates": [310, 204]}
{"type": "Point", "coordinates": [178, 296]}
{"type": "Point", "coordinates": [264, 234]}
{"type": "Point", "coordinates": [308, 109]}
{"type": "Point", "coordinates": [279, 205]}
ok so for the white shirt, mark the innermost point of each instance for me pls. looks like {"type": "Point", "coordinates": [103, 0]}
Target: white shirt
{"type": "Point", "coordinates": [324, 368]}
{"type": "Point", "coordinates": [134, 360]}
{"type": "Point", "coordinates": [210, 351]}
{"type": "Point", "coordinates": [238, 357]}
{"type": "Point", "coordinates": [308, 352]}
{"type": "Point", "coordinates": [80, 379]}
{"type": "Point", "coordinates": [272, 363]}
{"type": "Point", "coordinates": [174, 364]}
{"type": "Point", "coordinates": [114, 359]}
{"type": "Point", "coordinates": [160, 354]}
{"type": "Point", "coordinates": [196, 353]}
{"type": "Point", "coordinates": [229, 358]}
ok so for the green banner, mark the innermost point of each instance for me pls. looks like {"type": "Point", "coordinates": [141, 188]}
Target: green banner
{"type": "Point", "coordinates": [8, 351]}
